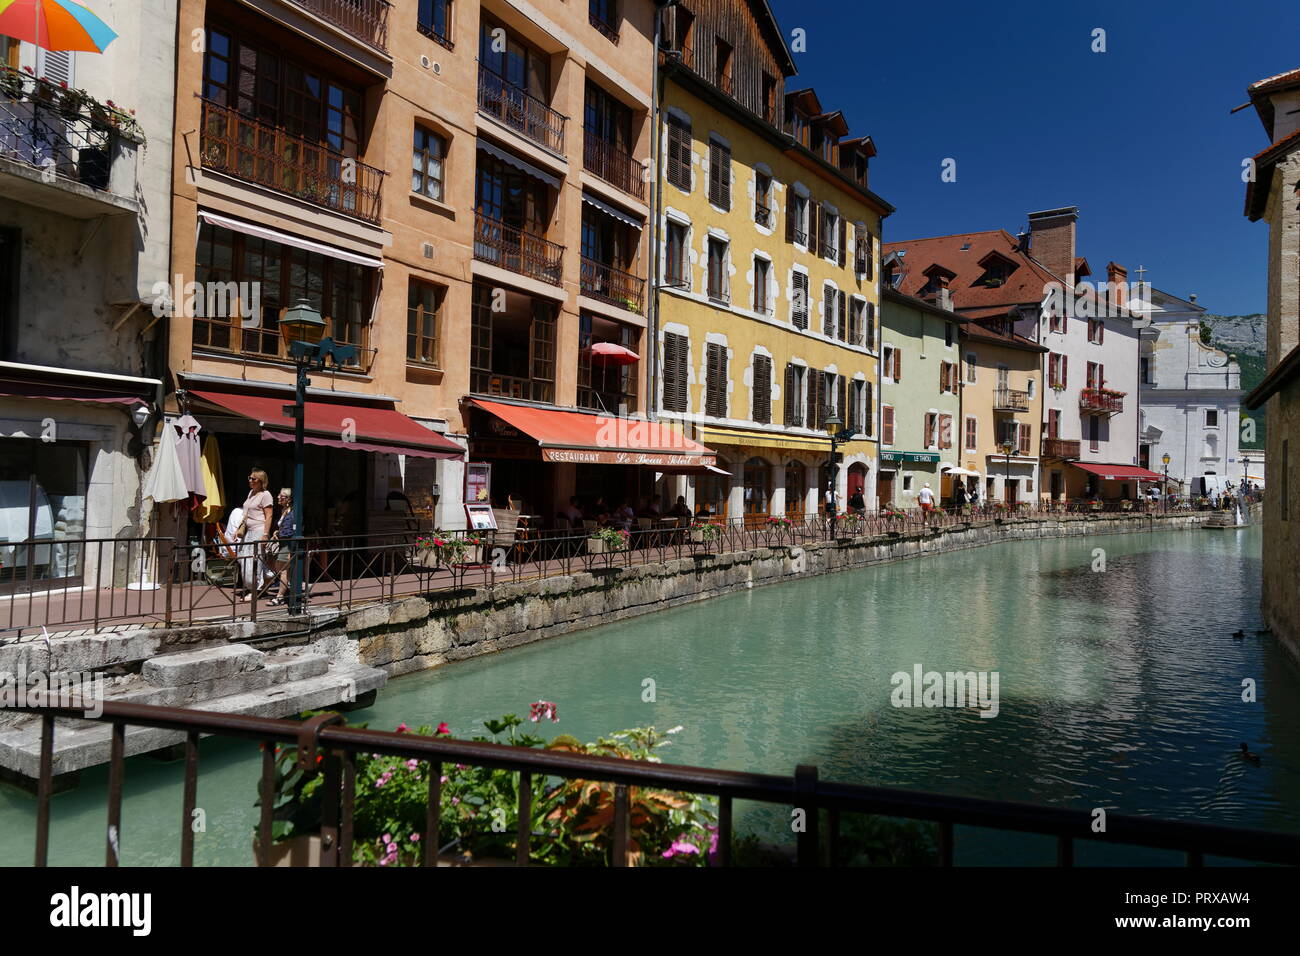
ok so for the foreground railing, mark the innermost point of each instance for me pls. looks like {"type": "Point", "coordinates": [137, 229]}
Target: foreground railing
{"type": "Point", "coordinates": [101, 584]}
{"type": "Point", "coordinates": [325, 744]}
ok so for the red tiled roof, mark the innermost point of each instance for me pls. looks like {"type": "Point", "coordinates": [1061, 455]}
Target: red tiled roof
{"type": "Point", "coordinates": [1024, 286]}
{"type": "Point", "coordinates": [1264, 160]}
{"type": "Point", "coordinates": [1276, 81]}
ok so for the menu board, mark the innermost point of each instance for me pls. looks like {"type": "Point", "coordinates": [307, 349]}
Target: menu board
{"type": "Point", "coordinates": [478, 483]}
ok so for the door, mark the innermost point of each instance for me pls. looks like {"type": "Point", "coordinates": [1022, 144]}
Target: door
{"type": "Point", "coordinates": [796, 489]}
{"type": "Point", "coordinates": [884, 489]}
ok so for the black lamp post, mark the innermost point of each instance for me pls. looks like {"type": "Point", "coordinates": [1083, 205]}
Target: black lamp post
{"type": "Point", "coordinates": [302, 328]}
{"type": "Point", "coordinates": [1007, 448]}
{"type": "Point", "coordinates": [1245, 474]}
{"type": "Point", "coordinates": [1164, 485]}
{"type": "Point", "coordinates": [838, 437]}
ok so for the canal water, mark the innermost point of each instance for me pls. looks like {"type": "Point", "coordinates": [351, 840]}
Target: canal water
{"type": "Point", "coordinates": [1119, 686]}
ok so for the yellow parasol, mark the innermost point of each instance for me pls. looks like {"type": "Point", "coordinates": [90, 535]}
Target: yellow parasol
{"type": "Point", "coordinates": [214, 505]}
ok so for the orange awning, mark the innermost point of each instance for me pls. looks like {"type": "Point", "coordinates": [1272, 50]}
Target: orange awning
{"type": "Point", "coordinates": [601, 439]}
{"type": "Point", "coordinates": [1118, 472]}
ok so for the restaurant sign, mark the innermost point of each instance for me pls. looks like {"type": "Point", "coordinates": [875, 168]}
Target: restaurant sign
{"type": "Point", "coordinates": [923, 457]}
{"type": "Point", "coordinates": [594, 456]}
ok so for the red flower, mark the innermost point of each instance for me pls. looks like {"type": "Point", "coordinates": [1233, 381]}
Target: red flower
{"type": "Point", "coordinates": [443, 729]}
{"type": "Point", "coordinates": [63, 84]}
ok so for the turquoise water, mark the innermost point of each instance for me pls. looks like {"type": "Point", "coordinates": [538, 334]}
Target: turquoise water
{"type": "Point", "coordinates": [1118, 688]}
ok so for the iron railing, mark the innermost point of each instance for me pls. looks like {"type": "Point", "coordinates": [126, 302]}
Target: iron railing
{"type": "Point", "coordinates": [762, 215]}
{"type": "Point", "coordinates": [143, 582]}
{"type": "Point", "coordinates": [517, 249]}
{"type": "Point", "coordinates": [60, 132]}
{"type": "Point", "coordinates": [270, 156]}
{"type": "Point", "coordinates": [613, 164]}
{"type": "Point", "coordinates": [1011, 400]}
{"type": "Point", "coordinates": [1062, 448]}
{"type": "Point", "coordinates": [367, 20]}
{"type": "Point", "coordinates": [1101, 400]}
{"type": "Point", "coordinates": [519, 110]}
{"type": "Point", "coordinates": [606, 29]}
{"type": "Point", "coordinates": [609, 284]}
{"type": "Point", "coordinates": [325, 744]}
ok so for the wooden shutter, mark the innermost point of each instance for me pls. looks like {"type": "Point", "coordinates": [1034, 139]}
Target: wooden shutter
{"type": "Point", "coordinates": [871, 325]}
{"type": "Point", "coordinates": [844, 399]}
{"type": "Point", "coordinates": [887, 424]}
{"type": "Point", "coordinates": [679, 153]}
{"type": "Point", "coordinates": [1024, 440]}
{"type": "Point", "coordinates": [1065, 370]}
{"type": "Point", "coordinates": [675, 362]}
{"type": "Point", "coordinates": [791, 406]}
{"type": "Point", "coordinates": [715, 399]}
{"type": "Point", "coordinates": [871, 256]}
{"type": "Point", "coordinates": [762, 389]}
{"type": "Point", "coordinates": [814, 224]}
{"type": "Point", "coordinates": [828, 311]}
{"type": "Point", "coordinates": [844, 316]}
{"type": "Point", "coordinates": [945, 431]}
{"type": "Point", "coordinates": [844, 242]}
{"type": "Point", "coordinates": [970, 434]}
{"type": "Point", "coordinates": [869, 413]}
{"type": "Point", "coordinates": [791, 207]}
{"type": "Point", "coordinates": [816, 398]}
{"type": "Point", "coordinates": [719, 175]}
{"type": "Point", "coordinates": [930, 438]}
{"type": "Point", "coordinates": [799, 308]}
{"type": "Point", "coordinates": [898, 365]}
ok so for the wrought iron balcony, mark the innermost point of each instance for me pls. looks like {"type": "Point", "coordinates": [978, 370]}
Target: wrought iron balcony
{"type": "Point", "coordinates": [517, 109]}
{"type": "Point", "coordinates": [270, 156]}
{"type": "Point", "coordinates": [1103, 401]}
{"type": "Point", "coordinates": [1062, 448]}
{"type": "Point", "coordinates": [511, 248]}
{"type": "Point", "coordinates": [602, 281]}
{"type": "Point", "coordinates": [604, 28]}
{"type": "Point", "coordinates": [367, 20]}
{"type": "Point", "coordinates": [1010, 400]}
{"type": "Point", "coordinates": [616, 167]}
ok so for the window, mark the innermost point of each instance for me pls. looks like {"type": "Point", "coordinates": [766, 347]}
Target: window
{"type": "Point", "coordinates": [434, 21]}
{"type": "Point", "coordinates": [794, 398]}
{"type": "Point", "coordinates": [855, 419]}
{"type": "Point", "coordinates": [931, 430]}
{"type": "Point", "coordinates": [679, 152]}
{"type": "Point", "coordinates": [762, 276]}
{"type": "Point", "coordinates": [769, 98]}
{"type": "Point", "coordinates": [887, 361]}
{"type": "Point", "coordinates": [762, 391]}
{"type": "Point", "coordinates": [1024, 436]}
{"type": "Point", "coordinates": [1211, 418]}
{"type": "Point", "coordinates": [1030, 387]}
{"type": "Point", "coordinates": [683, 20]}
{"type": "Point", "coordinates": [1057, 365]}
{"type": "Point", "coordinates": [718, 279]}
{"type": "Point", "coordinates": [860, 249]}
{"type": "Point", "coordinates": [972, 433]}
{"type": "Point", "coordinates": [830, 305]}
{"type": "Point", "coordinates": [799, 302]}
{"type": "Point", "coordinates": [796, 219]}
{"type": "Point", "coordinates": [677, 271]}
{"type": "Point", "coordinates": [603, 15]}
{"type": "Point", "coordinates": [512, 352]}
{"type": "Point", "coordinates": [423, 310]}
{"type": "Point", "coordinates": [1054, 423]}
{"type": "Point", "coordinates": [855, 334]}
{"type": "Point", "coordinates": [1145, 364]}
{"type": "Point", "coordinates": [1056, 323]}
{"type": "Point", "coordinates": [1094, 375]}
{"type": "Point", "coordinates": [676, 360]}
{"type": "Point", "coordinates": [945, 431]}
{"type": "Point", "coordinates": [947, 377]}
{"type": "Point", "coordinates": [722, 64]}
{"type": "Point", "coordinates": [715, 380]}
{"type": "Point", "coordinates": [947, 335]}
{"type": "Point", "coordinates": [763, 199]}
{"type": "Point", "coordinates": [426, 163]}
{"type": "Point", "coordinates": [1096, 331]}
{"type": "Point", "coordinates": [907, 481]}
{"type": "Point", "coordinates": [1094, 432]}
{"type": "Point", "coordinates": [601, 385]}
{"type": "Point", "coordinates": [970, 367]}
{"type": "Point", "coordinates": [719, 175]}
{"type": "Point", "coordinates": [887, 424]}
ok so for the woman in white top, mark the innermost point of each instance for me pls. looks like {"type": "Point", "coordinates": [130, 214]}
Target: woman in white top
{"type": "Point", "coordinates": [257, 517]}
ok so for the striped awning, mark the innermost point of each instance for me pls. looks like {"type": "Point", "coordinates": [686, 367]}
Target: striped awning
{"type": "Point", "coordinates": [522, 165]}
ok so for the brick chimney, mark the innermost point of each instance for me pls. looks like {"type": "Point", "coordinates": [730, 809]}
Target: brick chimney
{"type": "Point", "coordinates": [1052, 239]}
{"type": "Point", "coordinates": [1117, 276]}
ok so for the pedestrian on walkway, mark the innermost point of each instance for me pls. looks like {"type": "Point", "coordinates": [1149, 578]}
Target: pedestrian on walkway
{"type": "Point", "coordinates": [257, 518]}
{"type": "Point", "coordinates": [925, 498]}
{"type": "Point", "coordinates": [279, 550]}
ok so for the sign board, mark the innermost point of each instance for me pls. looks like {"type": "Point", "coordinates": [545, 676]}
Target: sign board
{"type": "Point", "coordinates": [923, 457]}
{"type": "Point", "coordinates": [478, 482]}
{"type": "Point", "coordinates": [592, 456]}
{"type": "Point", "coordinates": [480, 517]}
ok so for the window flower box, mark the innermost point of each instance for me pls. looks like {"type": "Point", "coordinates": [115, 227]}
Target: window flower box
{"type": "Point", "coordinates": [705, 533]}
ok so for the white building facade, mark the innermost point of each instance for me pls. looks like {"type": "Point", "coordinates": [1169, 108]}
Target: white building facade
{"type": "Point", "coordinates": [1190, 395]}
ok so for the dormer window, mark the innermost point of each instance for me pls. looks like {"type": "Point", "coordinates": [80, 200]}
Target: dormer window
{"type": "Point", "coordinates": [997, 269]}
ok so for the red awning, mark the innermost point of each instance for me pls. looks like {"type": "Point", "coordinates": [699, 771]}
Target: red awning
{"type": "Point", "coordinates": [602, 439]}
{"type": "Point", "coordinates": [327, 423]}
{"type": "Point", "coordinates": [50, 394]}
{"type": "Point", "coordinates": [1118, 472]}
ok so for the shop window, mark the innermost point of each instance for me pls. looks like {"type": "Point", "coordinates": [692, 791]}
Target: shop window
{"type": "Point", "coordinates": [42, 500]}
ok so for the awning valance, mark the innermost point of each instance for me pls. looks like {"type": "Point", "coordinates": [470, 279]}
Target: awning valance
{"type": "Point", "coordinates": [601, 439]}
{"type": "Point", "coordinates": [284, 238]}
{"type": "Point", "coordinates": [609, 210]}
{"type": "Point", "coordinates": [522, 165]}
{"type": "Point", "coordinates": [1118, 472]}
{"type": "Point", "coordinates": [338, 425]}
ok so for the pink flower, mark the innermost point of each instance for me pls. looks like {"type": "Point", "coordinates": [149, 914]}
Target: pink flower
{"type": "Point", "coordinates": [443, 729]}
{"type": "Point", "coordinates": [444, 779]}
{"type": "Point", "coordinates": [388, 838]}
{"type": "Point", "coordinates": [543, 709]}
{"type": "Point", "coordinates": [455, 800]}
{"type": "Point", "coordinates": [415, 838]}
{"type": "Point", "coordinates": [680, 847]}
{"type": "Point", "coordinates": [402, 728]}
{"type": "Point", "coordinates": [412, 764]}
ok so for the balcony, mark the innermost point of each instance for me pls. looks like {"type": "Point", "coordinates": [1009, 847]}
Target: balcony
{"type": "Point", "coordinates": [1010, 400]}
{"type": "Point", "coordinates": [604, 282]}
{"type": "Point", "coordinates": [608, 30]}
{"type": "Point", "coordinates": [367, 20]}
{"type": "Point", "coordinates": [269, 156]}
{"type": "Point", "coordinates": [525, 114]}
{"type": "Point", "coordinates": [602, 158]}
{"type": "Point", "coordinates": [1062, 448]}
{"type": "Point", "coordinates": [226, 337]}
{"type": "Point", "coordinates": [1101, 401]}
{"type": "Point", "coordinates": [763, 215]}
{"type": "Point", "coordinates": [66, 152]}
{"type": "Point", "coordinates": [510, 248]}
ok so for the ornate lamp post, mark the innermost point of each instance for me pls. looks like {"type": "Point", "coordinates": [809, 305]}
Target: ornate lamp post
{"type": "Point", "coordinates": [1164, 485]}
{"type": "Point", "coordinates": [1245, 474]}
{"type": "Point", "coordinates": [302, 328]}
{"type": "Point", "coordinates": [837, 436]}
{"type": "Point", "coordinates": [1007, 447]}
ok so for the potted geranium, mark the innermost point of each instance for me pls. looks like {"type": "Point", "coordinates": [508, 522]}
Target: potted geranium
{"type": "Point", "coordinates": [1094, 504]}
{"type": "Point", "coordinates": [851, 521]}
{"type": "Point", "coordinates": [705, 532]}
{"type": "Point", "coordinates": [12, 86]}
{"type": "Point", "coordinates": [439, 549]}
{"type": "Point", "coordinates": [1125, 504]}
{"type": "Point", "coordinates": [604, 540]}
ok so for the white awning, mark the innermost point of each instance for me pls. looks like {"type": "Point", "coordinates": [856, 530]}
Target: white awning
{"type": "Point", "coordinates": [284, 238]}
{"type": "Point", "coordinates": [519, 164]}
{"type": "Point", "coordinates": [962, 471]}
{"type": "Point", "coordinates": [609, 210]}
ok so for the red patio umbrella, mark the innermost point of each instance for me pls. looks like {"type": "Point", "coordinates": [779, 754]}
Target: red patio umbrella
{"type": "Point", "coordinates": [607, 353]}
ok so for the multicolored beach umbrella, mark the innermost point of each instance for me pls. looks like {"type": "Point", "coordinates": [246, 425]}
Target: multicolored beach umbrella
{"type": "Point", "coordinates": [55, 25]}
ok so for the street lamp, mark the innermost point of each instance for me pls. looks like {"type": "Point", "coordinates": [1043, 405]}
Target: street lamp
{"type": "Point", "coordinates": [1164, 485]}
{"type": "Point", "coordinates": [837, 436]}
{"type": "Point", "coordinates": [303, 329]}
{"type": "Point", "coordinates": [1007, 447]}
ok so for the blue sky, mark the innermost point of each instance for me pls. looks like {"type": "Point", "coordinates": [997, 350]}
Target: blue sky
{"type": "Point", "coordinates": [1139, 137]}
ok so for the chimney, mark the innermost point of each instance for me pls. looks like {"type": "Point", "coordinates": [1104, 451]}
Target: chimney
{"type": "Point", "coordinates": [1117, 279]}
{"type": "Point", "coordinates": [1052, 234]}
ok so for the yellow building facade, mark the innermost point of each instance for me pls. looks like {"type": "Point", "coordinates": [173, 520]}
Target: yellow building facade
{"type": "Point", "coordinates": [768, 309]}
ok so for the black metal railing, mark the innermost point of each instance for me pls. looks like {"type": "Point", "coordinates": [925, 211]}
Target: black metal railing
{"type": "Point", "coordinates": [762, 215]}
{"type": "Point", "coordinates": [326, 746]}
{"type": "Point", "coordinates": [517, 249]}
{"type": "Point", "coordinates": [367, 20]}
{"type": "Point", "coordinates": [519, 110]}
{"type": "Point", "coordinates": [614, 165]}
{"type": "Point", "coordinates": [58, 131]}
{"type": "Point", "coordinates": [1011, 399]}
{"type": "Point", "coordinates": [270, 156]}
{"type": "Point", "coordinates": [603, 281]}
{"type": "Point", "coordinates": [606, 29]}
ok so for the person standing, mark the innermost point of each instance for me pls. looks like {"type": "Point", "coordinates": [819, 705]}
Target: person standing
{"type": "Point", "coordinates": [958, 496]}
{"type": "Point", "coordinates": [257, 518]}
{"type": "Point", "coordinates": [857, 503]}
{"type": "Point", "coordinates": [279, 551]}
